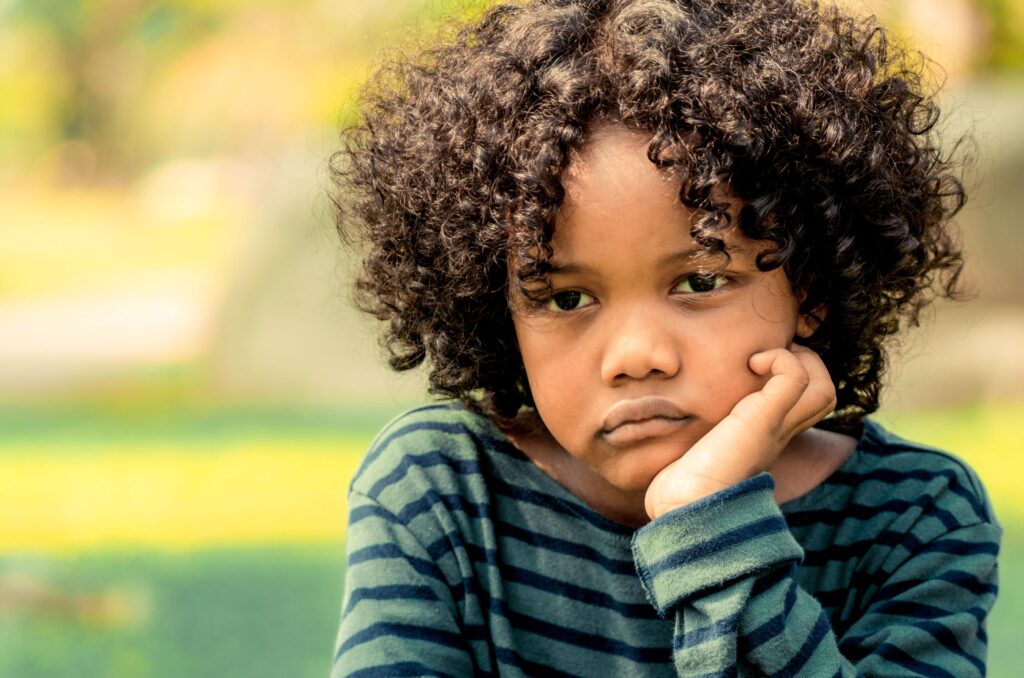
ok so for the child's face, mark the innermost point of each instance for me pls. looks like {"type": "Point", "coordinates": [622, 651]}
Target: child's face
{"type": "Point", "coordinates": [634, 331]}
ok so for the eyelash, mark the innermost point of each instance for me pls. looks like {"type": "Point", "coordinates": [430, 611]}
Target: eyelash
{"type": "Point", "coordinates": [713, 277]}
{"type": "Point", "coordinates": [552, 302]}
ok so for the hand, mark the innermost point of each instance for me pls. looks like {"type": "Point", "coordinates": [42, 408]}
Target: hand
{"type": "Point", "coordinates": [798, 393]}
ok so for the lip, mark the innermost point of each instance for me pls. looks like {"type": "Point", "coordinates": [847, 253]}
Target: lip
{"type": "Point", "coordinates": [640, 418]}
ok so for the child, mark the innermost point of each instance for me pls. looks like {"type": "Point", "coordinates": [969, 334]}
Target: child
{"type": "Point", "coordinates": [652, 250]}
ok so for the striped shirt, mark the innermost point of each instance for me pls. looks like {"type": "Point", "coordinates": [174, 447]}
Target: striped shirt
{"type": "Point", "coordinates": [464, 558]}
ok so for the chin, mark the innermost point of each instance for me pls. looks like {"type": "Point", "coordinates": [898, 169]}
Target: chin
{"type": "Point", "coordinates": [629, 480]}
{"type": "Point", "coordinates": [637, 468]}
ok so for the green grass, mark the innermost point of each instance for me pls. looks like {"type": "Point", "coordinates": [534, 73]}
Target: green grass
{"type": "Point", "coordinates": [76, 425]}
{"type": "Point", "coordinates": [265, 612]}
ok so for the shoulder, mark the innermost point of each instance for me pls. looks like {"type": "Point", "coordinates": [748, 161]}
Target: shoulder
{"type": "Point", "coordinates": [895, 494]}
{"type": "Point", "coordinates": [929, 477]}
{"type": "Point", "coordinates": [439, 448]}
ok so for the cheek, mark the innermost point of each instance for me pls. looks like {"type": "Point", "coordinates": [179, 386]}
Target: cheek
{"type": "Point", "coordinates": [546, 365]}
{"type": "Point", "coordinates": [775, 306]}
{"type": "Point", "coordinates": [764, 320]}
{"type": "Point", "coordinates": [732, 378]}
{"type": "Point", "coordinates": [723, 366]}
{"type": "Point", "coordinates": [553, 353]}
{"type": "Point", "coordinates": [550, 381]}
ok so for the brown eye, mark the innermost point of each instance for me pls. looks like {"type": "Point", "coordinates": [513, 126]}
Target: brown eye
{"type": "Point", "coordinates": [701, 282]}
{"type": "Point", "coordinates": [569, 300]}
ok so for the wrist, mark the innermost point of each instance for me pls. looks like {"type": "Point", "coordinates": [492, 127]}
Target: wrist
{"type": "Point", "coordinates": [677, 492]}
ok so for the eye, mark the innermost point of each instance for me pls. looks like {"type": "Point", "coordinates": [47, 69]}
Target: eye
{"type": "Point", "coordinates": [701, 282]}
{"type": "Point", "coordinates": [569, 300]}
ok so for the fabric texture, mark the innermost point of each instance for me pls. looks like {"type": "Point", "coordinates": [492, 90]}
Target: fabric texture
{"type": "Point", "coordinates": [465, 559]}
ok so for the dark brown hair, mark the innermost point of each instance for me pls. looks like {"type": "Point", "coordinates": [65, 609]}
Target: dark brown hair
{"type": "Point", "coordinates": [822, 128]}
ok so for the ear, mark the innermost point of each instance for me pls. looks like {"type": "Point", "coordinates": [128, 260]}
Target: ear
{"type": "Point", "coordinates": [808, 323]}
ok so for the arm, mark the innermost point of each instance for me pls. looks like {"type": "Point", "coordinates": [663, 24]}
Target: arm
{"type": "Point", "coordinates": [929, 615]}
{"type": "Point", "coordinates": [725, 567]}
{"type": "Point", "coordinates": [720, 558]}
{"type": "Point", "coordinates": [398, 617]}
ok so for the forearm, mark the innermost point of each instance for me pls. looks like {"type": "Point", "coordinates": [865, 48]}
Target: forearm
{"type": "Point", "coordinates": [725, 568]}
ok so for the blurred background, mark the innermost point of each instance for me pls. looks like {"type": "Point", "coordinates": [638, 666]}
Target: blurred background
{"type": "Point", "coordinates": [184, 388]}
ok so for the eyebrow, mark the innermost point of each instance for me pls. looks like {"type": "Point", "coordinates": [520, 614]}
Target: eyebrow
{"type": "Point", "coordinates": [689, 254]}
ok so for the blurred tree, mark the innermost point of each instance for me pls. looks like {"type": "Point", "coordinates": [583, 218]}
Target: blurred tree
{"type": "Point", "coordinates": [1007, 30]}
{"type": "Point", "coordinates": [88, 37]}
{"type": "Point", "coordinates": [104, 50]}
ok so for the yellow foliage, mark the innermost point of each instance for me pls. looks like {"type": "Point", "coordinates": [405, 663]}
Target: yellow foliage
{"type": "Point", "coordinates": [158, 496]}
{"type": "Point", "coordinates": [53, 242]}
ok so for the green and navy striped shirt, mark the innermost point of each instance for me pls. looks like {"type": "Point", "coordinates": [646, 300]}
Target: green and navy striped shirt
{"type": "Point", "coordinates": [464, 558]}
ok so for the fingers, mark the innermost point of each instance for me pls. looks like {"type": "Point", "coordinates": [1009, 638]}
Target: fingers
{"type": "Point", "coordinates": [787, 381]}
{"type": "Point", "coordinates": [819, 398]}
{"type": "Point", "coordinates": [799, 391]}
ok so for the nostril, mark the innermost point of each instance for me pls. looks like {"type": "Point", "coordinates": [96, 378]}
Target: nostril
{"type": "Point", "coordinates": [651, 363]}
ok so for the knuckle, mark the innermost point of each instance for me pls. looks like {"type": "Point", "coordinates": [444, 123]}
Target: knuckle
{"type": "Point", "coordinates": [802, 379]}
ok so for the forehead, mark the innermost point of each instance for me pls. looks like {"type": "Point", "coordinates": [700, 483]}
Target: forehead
{"type": "Point", "coordinates": [614, 158]}
{"type": "Point", "coordinates": [613, 164]}
{"type": "Point", "coordinates": [611, 182]}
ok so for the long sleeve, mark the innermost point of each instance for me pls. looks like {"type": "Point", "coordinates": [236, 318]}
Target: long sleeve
{"type": "Point", "coordinates": [725, 568]}
{"type": "Point", "coordinates": [398, 615]}
{"type": "Point", "coordinates": [466, 559]}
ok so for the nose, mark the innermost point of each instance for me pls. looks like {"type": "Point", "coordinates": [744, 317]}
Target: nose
{"type": "Point", "coordinates": [639, 347]}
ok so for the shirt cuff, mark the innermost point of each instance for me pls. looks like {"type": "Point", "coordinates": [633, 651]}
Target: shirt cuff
{"type": "Point", "coordinates": [734, 533]}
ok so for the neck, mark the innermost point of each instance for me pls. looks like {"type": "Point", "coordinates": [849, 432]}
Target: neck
{"type": "Point", "coordinates": [809, 459]}
{"type": "Point", "coordinates": [620, 506]}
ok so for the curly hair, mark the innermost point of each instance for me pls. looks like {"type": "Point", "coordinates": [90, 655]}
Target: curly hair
{"type": "Point", "coordinates": [823, 129]}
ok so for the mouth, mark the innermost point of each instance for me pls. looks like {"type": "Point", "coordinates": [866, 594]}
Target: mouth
{"type": "Point", "coordinates": [630, 421]}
